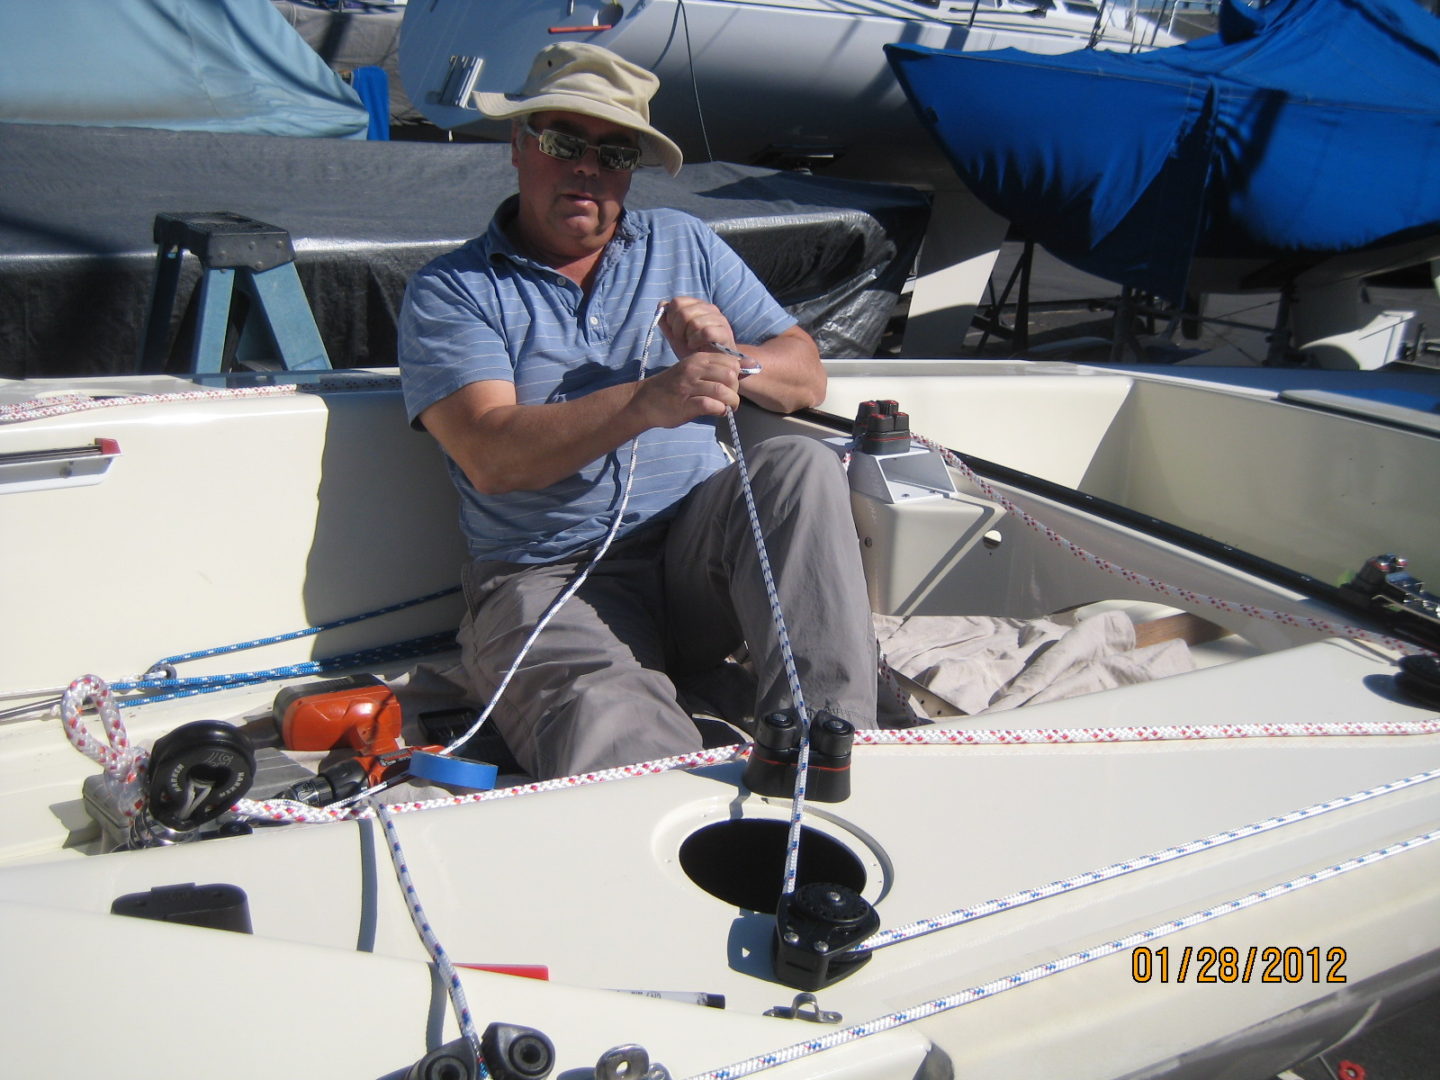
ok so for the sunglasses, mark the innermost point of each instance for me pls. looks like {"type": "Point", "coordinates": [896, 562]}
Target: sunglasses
{"type": "Point", "coordinates": [559, 145]}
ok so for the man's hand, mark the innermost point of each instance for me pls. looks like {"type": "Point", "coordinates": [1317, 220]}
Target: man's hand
{"type": "Point", "coordinates": [704, 381]}
{"type": "Point", "coordinates": [791, 376]}
{"type": "Point", "coordinates": [692, 326]}
{"type": "Point", "coordinates": [701, 384]}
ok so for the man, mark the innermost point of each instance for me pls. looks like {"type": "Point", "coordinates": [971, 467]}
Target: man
{"type": "Point", "coordinates": [521, 352]}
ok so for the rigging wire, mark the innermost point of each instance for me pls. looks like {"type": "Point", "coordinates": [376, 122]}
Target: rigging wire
{"type": "Point", "coordinates": [694, 83]}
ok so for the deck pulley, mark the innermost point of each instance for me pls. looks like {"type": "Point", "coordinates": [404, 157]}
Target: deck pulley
{"type": "Point", "coordinates": [816, 930]}
{"type": "Point", "coordinates": [515, 1052]}
{"type": "Point", "coordinates": [882, 428]}
{"type": "Point", "coordinates": [197, 772]}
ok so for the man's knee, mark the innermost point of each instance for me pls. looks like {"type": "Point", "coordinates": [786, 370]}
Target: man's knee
{"type": "Point", "coordinates": [617, 722]}
{"type": "Point", "coordinates": [797, 464]}
{"type": "Point", "coordinates": [796, 451]}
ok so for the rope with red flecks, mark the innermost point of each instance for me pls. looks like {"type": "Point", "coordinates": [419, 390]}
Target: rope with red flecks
{"type": "Point", "coordinates": [16, 412]}
{"type": "Point", "coordinates": [1190, 596]}
{"type": "Point", "coordinates": [123, 762]}
{"type": "Point", "coordinates": [283, 811]}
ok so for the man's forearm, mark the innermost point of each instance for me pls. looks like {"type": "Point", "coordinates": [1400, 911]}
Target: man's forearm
{"type": "Point", "coordinates": [502, 446]}
{"type": "Point", "coordinates": [509, 447]}
{"type": "Point", "coordinates": [791, 375]}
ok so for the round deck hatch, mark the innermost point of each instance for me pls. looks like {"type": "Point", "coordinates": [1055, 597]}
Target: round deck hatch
{"type": "Point", "coordinates": [742, 862]}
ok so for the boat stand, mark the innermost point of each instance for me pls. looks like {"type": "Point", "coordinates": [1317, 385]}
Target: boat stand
{"type": "Point", "coordinates": [277, 328]}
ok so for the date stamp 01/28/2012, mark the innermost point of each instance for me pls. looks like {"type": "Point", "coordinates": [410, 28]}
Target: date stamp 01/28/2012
{"type": "Point", "coordinates": [1229, 964]}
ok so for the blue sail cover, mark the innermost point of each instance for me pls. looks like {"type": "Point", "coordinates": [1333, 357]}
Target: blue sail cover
{"type": "Point", "coordinates": [186, 65]}
{"type": "Point", "coordinates": [1304, 128]}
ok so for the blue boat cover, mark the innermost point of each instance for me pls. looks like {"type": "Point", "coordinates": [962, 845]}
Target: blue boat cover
{"type": "Point", "coordinates": [1303, 128]}
{"type": "Point", "coordinates": [192, 65]}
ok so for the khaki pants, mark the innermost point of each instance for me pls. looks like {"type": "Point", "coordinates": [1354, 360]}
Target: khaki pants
{"type": "Point", "coordinates": [596, 688]}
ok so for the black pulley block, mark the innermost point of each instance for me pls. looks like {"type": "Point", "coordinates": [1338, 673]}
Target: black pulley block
{"type": "Point", "coordinates": [831, 740]}
{"type": "Point", "coordinates": [882, 428]}
{"type": "Point", "coordinates": [197, 772]}
{"type": "Point", "coordinates": [771, 768]}
{"type": "Point", "coordinates": [817, 929]}
{"type": "Point", "coordinates": [775, 756]}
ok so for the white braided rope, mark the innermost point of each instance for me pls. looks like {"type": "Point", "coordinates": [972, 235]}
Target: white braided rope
{"type": "Point", "coordinates": [17, 412]}
{"type": "Point", "coordinates": [1187, 596]}
{"type": "Point", "coordinates": [957, 917]}
{"type": "Point", "coordinates": [926, 1009]}
{"type": "Point", "coordinates": [944, 736]}
{"type": "Point", "coordinates": [443, 964]}
{"type": "Point", "coordinates": [573, 587]}
{"type": "Point", "coordinates": [283, 811]}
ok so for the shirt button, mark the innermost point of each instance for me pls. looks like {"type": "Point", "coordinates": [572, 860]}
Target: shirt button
{"type": "Point", "coordinates": [594, 320]}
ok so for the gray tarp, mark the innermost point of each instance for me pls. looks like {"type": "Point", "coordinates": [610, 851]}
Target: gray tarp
{"type": "Point", "coordinates": [77, 207]}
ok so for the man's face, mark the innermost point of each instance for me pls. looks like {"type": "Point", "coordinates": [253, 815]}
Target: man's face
{"type": "Point", "coordinates": [569, 208]}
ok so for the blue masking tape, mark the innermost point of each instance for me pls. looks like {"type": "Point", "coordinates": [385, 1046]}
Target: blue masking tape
{"type": "Point", "coordinates": [477, 775]}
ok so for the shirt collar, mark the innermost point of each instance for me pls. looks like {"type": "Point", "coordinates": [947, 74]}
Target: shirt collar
{"type": "Point", "coordinates": [631, 227]}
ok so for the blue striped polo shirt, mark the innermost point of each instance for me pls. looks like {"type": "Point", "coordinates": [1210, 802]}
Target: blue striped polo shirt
{"type": "Point", "coordinates": [485, 311]}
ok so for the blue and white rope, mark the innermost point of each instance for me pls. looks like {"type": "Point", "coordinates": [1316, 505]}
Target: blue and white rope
{"type": "Point", "coordinates": [443, 964]}
{"type": "Point", "coordinates": [309, 631]}
{"type": "Point", "coordinates": [161, 676]}
{"type": "Point", "coordinates": [923, 1011]}
{"type": "Point", "coordinates": [178, 687]}
{"type": "Point", "coordinates": [959, 916]}
{"type": "Point", "coordinates": [787, 657]}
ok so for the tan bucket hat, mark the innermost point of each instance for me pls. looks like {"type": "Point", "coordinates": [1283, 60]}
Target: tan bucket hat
{"type": "Point", "coordinates": [591, 80]}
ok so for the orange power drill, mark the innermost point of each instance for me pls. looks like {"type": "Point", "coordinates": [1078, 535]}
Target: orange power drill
{"type": "Point", "coordinates": [359, 712]}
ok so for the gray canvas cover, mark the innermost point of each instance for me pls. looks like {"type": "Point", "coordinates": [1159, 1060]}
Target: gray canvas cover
{"type": "Point", "coordinates": [216, 65]}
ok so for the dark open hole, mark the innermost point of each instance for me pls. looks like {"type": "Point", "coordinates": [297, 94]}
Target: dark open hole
{"type": "Point", "coordinates": [743, 862]}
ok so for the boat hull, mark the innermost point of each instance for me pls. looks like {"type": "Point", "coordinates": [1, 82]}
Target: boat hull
{"type": "Point", "coordinates": [291, 508]}
{"type": "Point", "coordinates": [776, 83]}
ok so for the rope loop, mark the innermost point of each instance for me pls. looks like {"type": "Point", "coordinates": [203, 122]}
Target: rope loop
{"type": "Point", "coordinates": [124, 763]}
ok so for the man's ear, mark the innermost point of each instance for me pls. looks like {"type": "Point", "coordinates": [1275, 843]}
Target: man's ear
{"type": "Point", "coordinates": [517, 132]}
